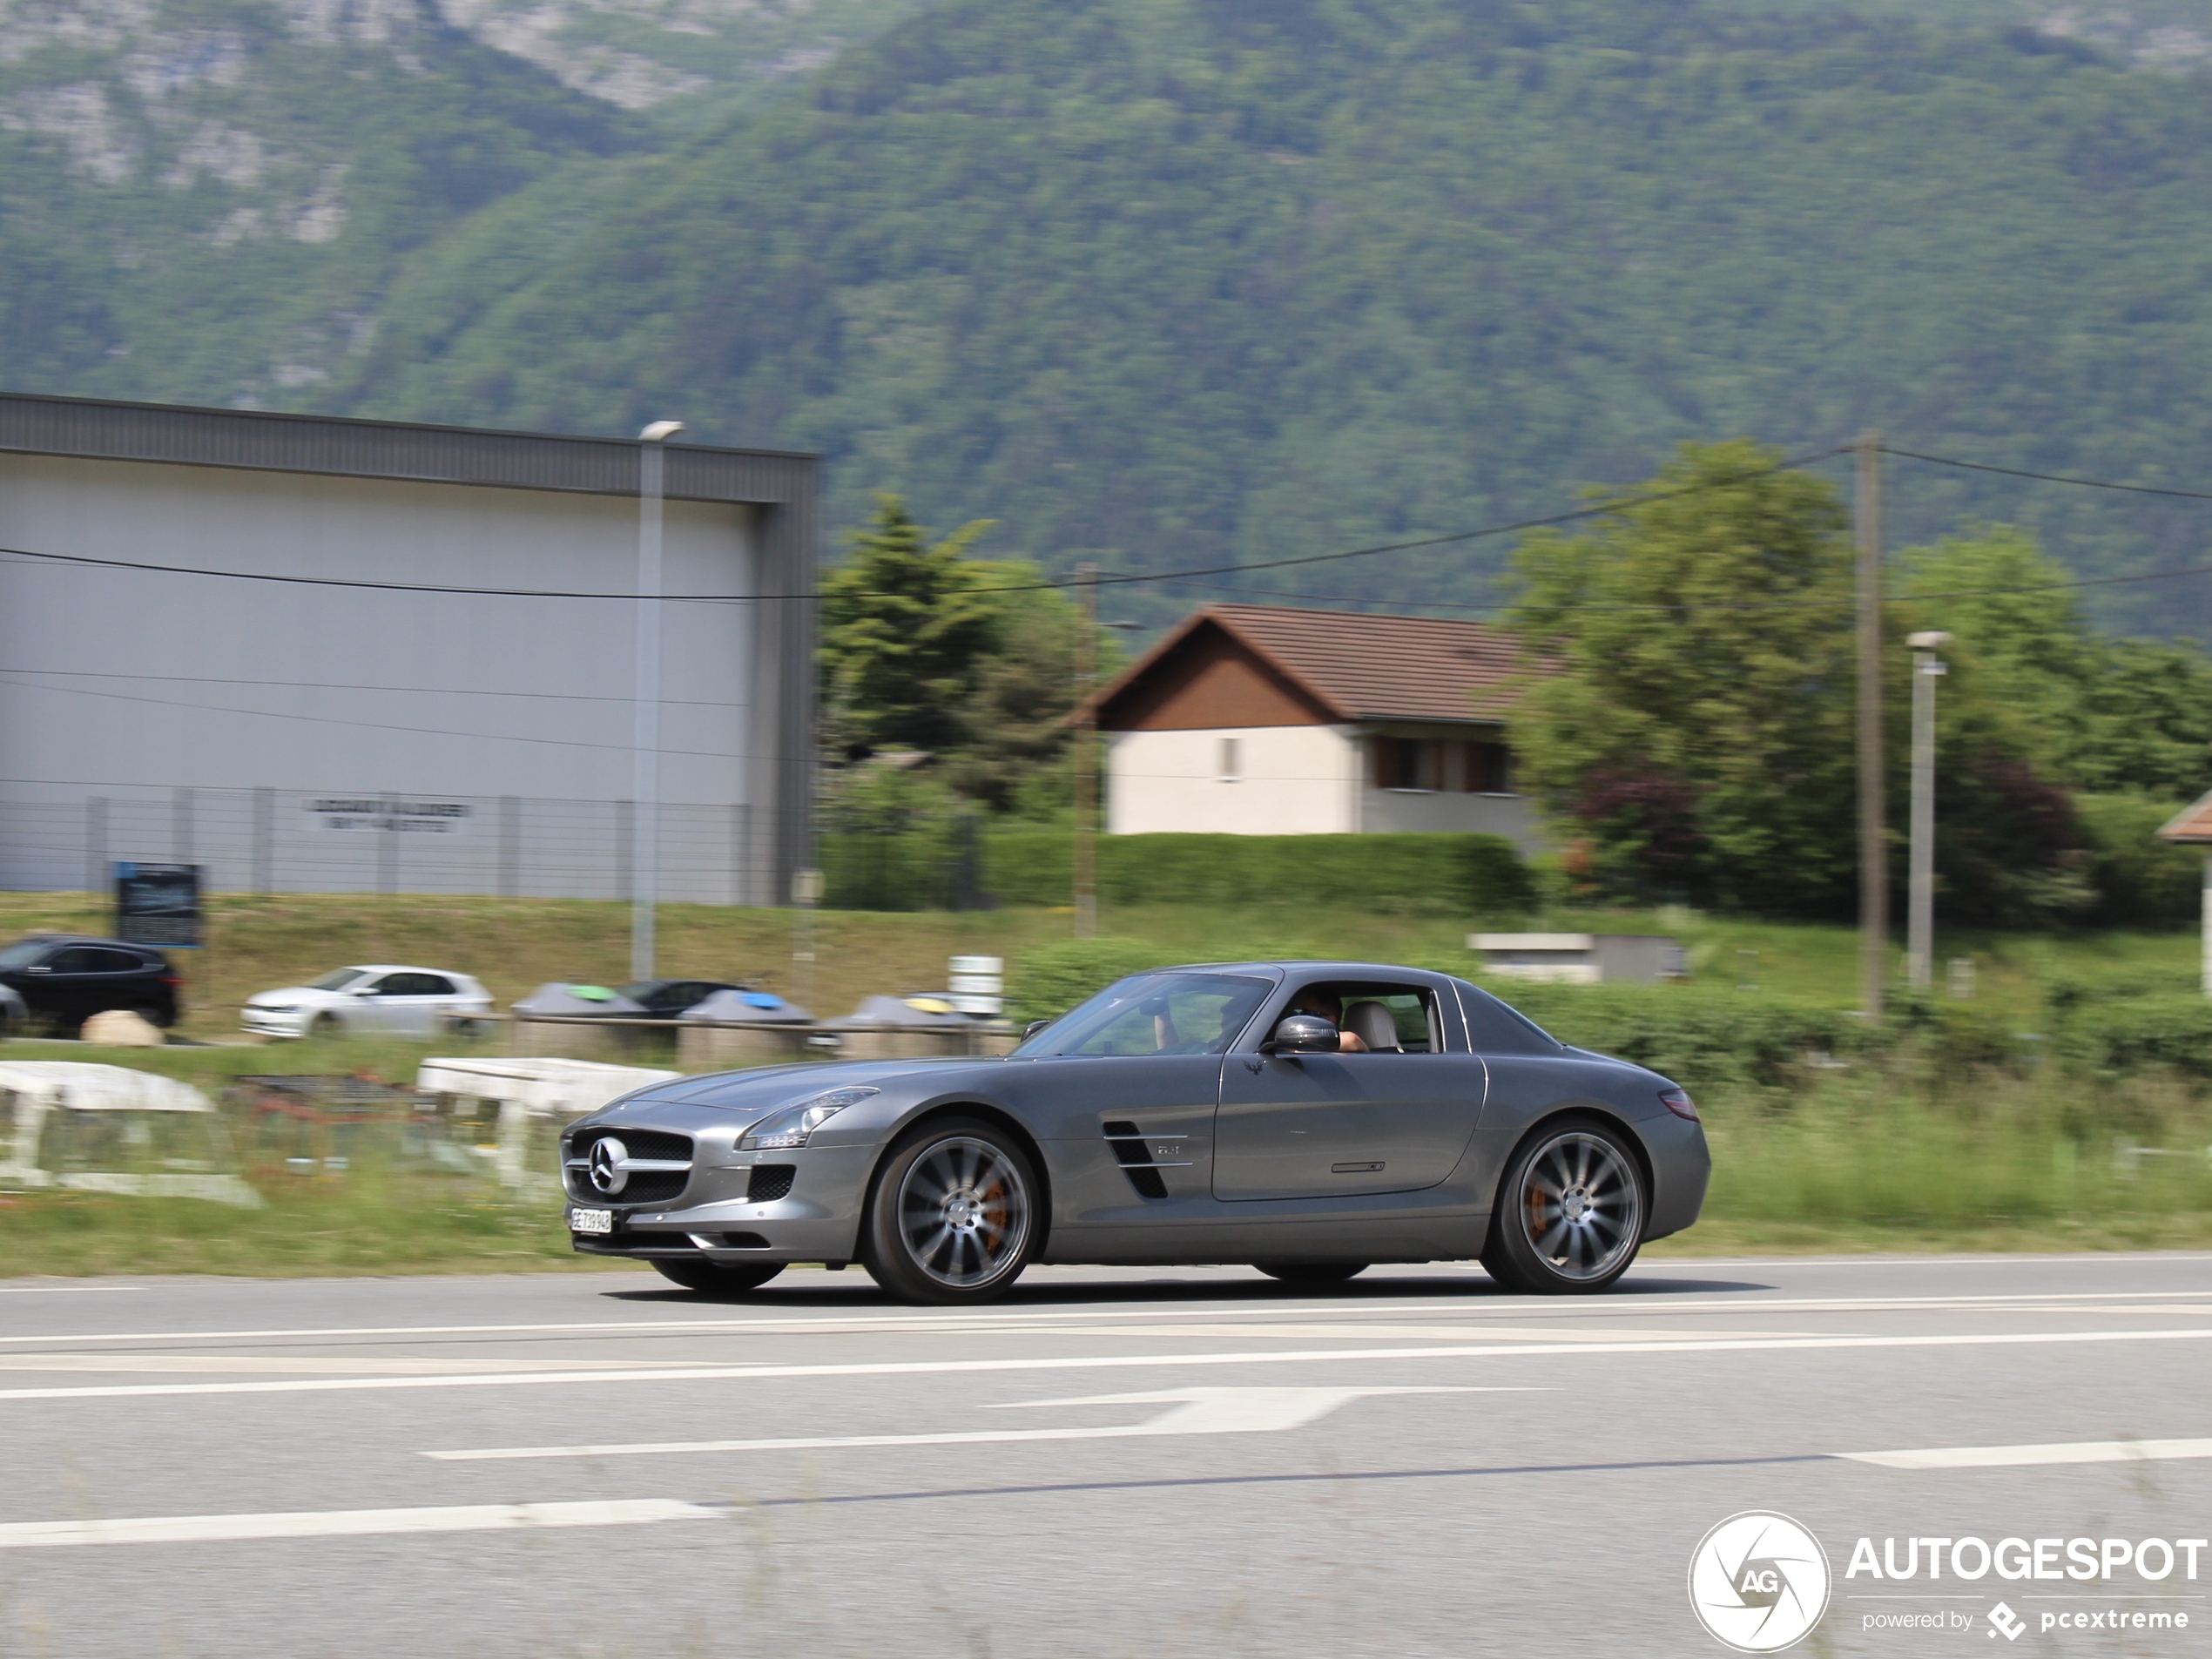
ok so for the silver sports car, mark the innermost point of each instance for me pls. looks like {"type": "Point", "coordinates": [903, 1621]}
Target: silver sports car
{"type": "Point", "coordinates": [1309, 1118]}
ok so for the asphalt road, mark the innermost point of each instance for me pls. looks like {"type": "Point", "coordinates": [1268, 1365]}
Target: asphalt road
{"type": "Point", "coordinates": [1199, 1462]}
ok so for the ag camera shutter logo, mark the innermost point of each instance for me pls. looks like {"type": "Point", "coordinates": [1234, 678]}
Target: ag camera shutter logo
{"type": "Point", "coordinates": [1758, 1582]}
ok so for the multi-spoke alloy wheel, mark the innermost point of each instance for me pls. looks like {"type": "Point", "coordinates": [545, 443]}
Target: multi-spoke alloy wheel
{"type": "Point", "coordinates": [952, 1218]}
{"type": "Point", "coordinates": [1570, 1211]}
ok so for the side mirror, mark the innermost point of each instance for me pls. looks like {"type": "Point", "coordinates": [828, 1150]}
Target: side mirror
{"type": "Point", "coordinates": [1302, 1033]}
{"type": "Point", "coordinates": [1033, 1028]}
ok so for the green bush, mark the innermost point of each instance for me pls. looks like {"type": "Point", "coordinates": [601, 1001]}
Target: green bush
{"type": "Point", "coordinates": [1479, 874]}
{"type": "Point", "coordinates": [1698, 1037]}
{"type": "Point", "coordinates": [1046, 982]}
{"type": "Point", "coordinates": [2113, 1035]}
{"type": "Point", "coordinates": [2141, 880]}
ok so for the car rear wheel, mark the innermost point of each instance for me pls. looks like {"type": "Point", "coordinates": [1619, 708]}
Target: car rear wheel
{"type": "Point", "coordinates": [1314, 1274]}
{"type": "Point", "coordinates": [1569, 1216]}
{"type": "Point", "coordinates": [952, 1218]}
{"type": "Point", "coordinates": [716, 1277]}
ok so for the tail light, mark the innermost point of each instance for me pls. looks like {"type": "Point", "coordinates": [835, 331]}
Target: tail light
{"type": "Point", "coordinates": [1678, 1101]}
{"type": "Point", "coordinates": [173, 981]}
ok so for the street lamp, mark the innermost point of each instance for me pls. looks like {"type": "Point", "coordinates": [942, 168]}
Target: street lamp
{"type": "Point", "coordinates": [644, 838]}
{"type": "Point", "coordinates": [1920, 912]}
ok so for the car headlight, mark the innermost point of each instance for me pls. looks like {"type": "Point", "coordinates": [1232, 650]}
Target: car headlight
{"type": "Point", "coordinates": [275, 1007]}
{"type": "Point", "coordinates": [791, 1126]}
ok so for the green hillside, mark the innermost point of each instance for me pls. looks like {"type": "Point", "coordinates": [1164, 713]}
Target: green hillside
{"type": "Point", "coordinates": [1159, 282]}
{"type": "Point", "coordinates": [1162, 282]}
{"type": "Point", "coordinates": [206, 200]}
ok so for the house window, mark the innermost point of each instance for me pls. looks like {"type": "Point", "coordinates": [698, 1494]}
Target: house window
{"type": "Point", "coordinates": [1406, 763]}
{"type": "Point", "coordinates": [1489, 769]}
{"type": "Point", "coordinates": [1233, 760]}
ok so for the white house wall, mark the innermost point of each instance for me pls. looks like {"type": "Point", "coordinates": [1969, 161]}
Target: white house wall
{"type": "Point", "coordinates": [186, 703]}
{"type": "Point", "coordinates": [1292, 780]}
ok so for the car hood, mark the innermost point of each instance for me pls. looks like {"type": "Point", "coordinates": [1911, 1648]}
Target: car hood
{"type": "Point", "coordinates": [772, 1086]}
{"type": "Point", "coordinates": [293, 996]}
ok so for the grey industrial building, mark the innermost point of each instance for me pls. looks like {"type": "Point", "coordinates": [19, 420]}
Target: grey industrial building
{"type": "Point", "coordinates": [304, 735]}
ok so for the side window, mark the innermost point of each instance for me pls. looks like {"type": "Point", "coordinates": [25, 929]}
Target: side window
{"type": "Point", "coordinates": [389, 986]}
{"type": "Point", "coordinates": [78, 958]}
{"type": "Point", "coordinates": [1385, 1018]}
{"type": "Point", "coordinates": [121, 961]}
{"type": "Point", "coordinates": [430, 985]}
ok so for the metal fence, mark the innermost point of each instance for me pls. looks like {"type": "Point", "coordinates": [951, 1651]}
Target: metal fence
{"type": "Point", "coordinates": [285, 840]}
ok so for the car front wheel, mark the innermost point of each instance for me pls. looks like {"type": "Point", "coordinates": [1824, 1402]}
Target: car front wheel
{"type": "Point", "coordinates": [953, 1215]}
{"type": "Point", "coordinates": [1569, 1216]}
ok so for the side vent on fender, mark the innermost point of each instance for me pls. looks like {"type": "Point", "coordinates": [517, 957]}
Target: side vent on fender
{"type": "Point", "coordinates": [1133, 1152]}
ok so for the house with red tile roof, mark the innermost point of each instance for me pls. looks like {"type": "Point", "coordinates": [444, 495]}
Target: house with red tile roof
{"type": "Point", "coordinates": [1262, 720]}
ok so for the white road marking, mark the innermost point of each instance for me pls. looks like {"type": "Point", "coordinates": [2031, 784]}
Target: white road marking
{"type": "Point", "coordinates": [370, 1365]}
{"type": "Point", "coordinates": [1195, 1410]}
{"type": "Point", "coordinates": [2008, 1457]}
{"type": "Point", "coordinates": [1026, 1318]}
{"type": "Point", "coordinates": [57, 1289]}
{"type": "Point", "coordinates": [348, 1523]}
{"type": "Point", "coordinates": [1105, 1362]}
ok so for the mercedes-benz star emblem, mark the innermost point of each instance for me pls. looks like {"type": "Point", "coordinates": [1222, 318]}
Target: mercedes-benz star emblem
{"type": "Point", "coordinates": [608, 1155]}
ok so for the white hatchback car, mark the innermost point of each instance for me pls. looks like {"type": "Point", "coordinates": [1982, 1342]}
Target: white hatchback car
{"type": "Point", "coordinates": [378, 997]}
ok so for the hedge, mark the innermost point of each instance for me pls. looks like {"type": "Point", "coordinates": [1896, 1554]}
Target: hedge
{"type": "Point", "coordinates": [1479, 875]}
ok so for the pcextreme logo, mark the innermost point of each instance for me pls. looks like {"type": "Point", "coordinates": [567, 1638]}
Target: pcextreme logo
{"type": "Point", "coordinates": [1758, 1582]}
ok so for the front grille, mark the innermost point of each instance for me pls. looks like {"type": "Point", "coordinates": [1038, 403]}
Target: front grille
{"type": "Point", "coordinates": [641, 1143]}
{"type": "Point", "coordinates": [771, 1182]}
{"type": "Point", "coordinates": [645, 1186]}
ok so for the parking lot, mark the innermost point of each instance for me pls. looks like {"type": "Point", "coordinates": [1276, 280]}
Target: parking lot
{"type": "Point", "coordinates": [1111, 1462]}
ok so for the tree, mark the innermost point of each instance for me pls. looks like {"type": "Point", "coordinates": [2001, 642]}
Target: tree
{"type": "Point", "coordinates": [1695, 727]}
{"type": "Point", "coordinates": [970, 660]}
{"type": "Point", "coordinates": [906, 629]}
{"type": "Point", "coordinates": [2105, 716]}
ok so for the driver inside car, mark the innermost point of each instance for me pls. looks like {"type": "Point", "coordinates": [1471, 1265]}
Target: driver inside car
{"type": "Point", "coordinates": [1320, 1000]}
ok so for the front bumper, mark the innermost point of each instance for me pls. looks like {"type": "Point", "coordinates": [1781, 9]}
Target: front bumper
{"type": "Point", "coordinates": [264, 1024]}
{"type": "Point", "coordinates": [714, 1218]}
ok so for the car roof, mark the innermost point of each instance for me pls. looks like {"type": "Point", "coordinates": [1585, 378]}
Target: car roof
{"type": "Point", "coordinates": [1299, 966]}
{"type": "Point", "coordinates": [403, 967]}
{"type": "Point", "coordinates": [77, 938]}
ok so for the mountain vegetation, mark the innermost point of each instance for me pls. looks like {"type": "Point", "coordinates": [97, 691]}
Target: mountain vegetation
{"type": "Point", "coordinates": [1166, 285]}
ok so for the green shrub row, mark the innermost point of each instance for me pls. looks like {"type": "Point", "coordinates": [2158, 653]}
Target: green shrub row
{"type": "Point", "coordinates": [1481, 875]}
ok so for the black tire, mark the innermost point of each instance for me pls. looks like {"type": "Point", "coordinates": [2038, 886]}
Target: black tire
{"type": "Point", "coordinates": [953, 1215]}
{"type": "Point", "coordinates": [1314, 1274]}
{"type": "Point", "coordinates": [719, 1278]}
{"type": "Point", "coordinates": [325, 1025]}
{"type": "Point", "coordinates": [1570, 1212]}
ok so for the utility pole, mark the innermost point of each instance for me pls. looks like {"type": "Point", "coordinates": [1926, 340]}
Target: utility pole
{"type": "Point", "coordinates": [644, 841]}
{"type": "Point", "coordinates": [1085, 762]}
{"type": "Point", "coordinates": [1919, 901]}
{"type": "Point", "coordinates": [1873, 830]}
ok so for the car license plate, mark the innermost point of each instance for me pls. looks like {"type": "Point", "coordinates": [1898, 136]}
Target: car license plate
{"type": "Point", "coordinates": [591, 1221]}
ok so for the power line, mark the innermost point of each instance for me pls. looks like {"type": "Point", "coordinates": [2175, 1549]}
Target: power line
{"type": "Point", "coordinates": [1197, 574]}
{"type": "Point", "coordinates": [1597, 509]}
{"type": "Point", "coordinates": [2046, 477]}
{"type": "Point", "coordinates": [341, 686]}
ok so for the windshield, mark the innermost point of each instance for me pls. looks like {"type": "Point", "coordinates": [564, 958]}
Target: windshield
{"type": "Point", "coordinates": [26, 954]}
{"type": "Point", "coordinates": [337, 980]}
{"type": "Point", "coordinates": [1155, 1014]}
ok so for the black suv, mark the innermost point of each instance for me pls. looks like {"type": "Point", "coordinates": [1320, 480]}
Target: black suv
{"type": "Point", "coordinates": [65, 979]}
